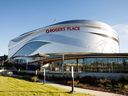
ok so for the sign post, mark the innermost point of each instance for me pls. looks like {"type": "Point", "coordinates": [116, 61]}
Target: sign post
{"type": "Point", "coordinates": [72, 80]}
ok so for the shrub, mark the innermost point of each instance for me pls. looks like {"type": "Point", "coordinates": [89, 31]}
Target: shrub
{"type": "Point", "coordinates": [26, 77]}
{"type": "Point", "coordinates": [104, 81]}
{"type": "Point", "coordinates": [75, 82]}
{"type": "Point", "coordinates": [34, 78]}
{"type": "Point", "coordinates": [88, 80]}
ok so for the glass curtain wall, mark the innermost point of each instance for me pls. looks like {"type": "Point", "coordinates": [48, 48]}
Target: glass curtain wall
{"type": "Point", "coordinates": [93, 64]}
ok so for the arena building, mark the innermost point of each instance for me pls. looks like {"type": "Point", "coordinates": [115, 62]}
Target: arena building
{"type": "Point", "coordinates": [69, 36]}
{"type": "Point", "coordinates": [89, 46]}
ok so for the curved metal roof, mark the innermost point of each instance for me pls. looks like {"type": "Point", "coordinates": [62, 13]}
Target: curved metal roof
{"type": "Point", "coordinates": [82, 22]}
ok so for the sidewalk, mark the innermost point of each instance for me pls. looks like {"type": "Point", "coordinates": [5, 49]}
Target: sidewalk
{"type": "Point", "coordinates": [87, 91]}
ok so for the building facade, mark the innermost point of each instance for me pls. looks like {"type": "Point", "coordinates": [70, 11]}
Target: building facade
{"type": "Point", "coordinates": [75, 36]}
{"type": "Point", "coordinates": [89, 46]}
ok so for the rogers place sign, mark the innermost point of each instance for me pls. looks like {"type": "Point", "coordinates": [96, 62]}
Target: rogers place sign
{"type": "Point", "coordinates": [68, 28]}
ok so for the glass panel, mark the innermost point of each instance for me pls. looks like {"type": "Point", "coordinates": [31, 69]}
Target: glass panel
{"type": "Point", "coordinates": [111, 65]}
{"type": "Point", "coordinates": [29, 48]}
{"type": "Point", "coordinates": [21, 37]}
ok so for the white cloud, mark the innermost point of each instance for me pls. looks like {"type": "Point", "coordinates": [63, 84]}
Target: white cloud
{"type": "Point", "coordinates": [122, 30]}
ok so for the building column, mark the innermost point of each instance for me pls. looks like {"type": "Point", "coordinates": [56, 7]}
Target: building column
{"type": "Point", "coordinates": [77, 65]}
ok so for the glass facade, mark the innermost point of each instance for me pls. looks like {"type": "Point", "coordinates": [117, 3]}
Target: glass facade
{"type": "Point", "coordinates": [101, 63]}
{"type": "Point", "coordinates": [29, 48]}
{"type": "Point", "coordinates": [93, 64]}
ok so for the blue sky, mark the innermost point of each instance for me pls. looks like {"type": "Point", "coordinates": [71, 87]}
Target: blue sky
{"type": "Point", "coordinates": [20, 16]}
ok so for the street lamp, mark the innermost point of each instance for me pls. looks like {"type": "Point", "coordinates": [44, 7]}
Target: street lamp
{"type": "Point", "coordinates": [72, 80]}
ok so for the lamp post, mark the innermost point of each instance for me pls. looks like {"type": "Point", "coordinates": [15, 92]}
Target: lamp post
{"type": "Point", "coordinates": [72, 80]}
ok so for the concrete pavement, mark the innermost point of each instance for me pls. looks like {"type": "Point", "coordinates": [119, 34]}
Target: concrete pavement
{"type": "Point", "coordinates": [87, 91]}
